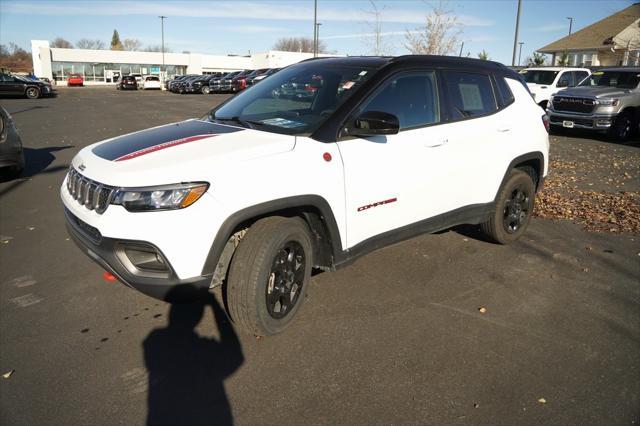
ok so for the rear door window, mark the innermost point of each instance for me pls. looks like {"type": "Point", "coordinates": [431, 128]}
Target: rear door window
{"type": "Point", "coordinates": [411, 97]}
{"type": "Point", "coordinates": [470, 94]}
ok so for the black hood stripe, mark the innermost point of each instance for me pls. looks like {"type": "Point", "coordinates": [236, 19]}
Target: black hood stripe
{"type": "Point", "coordinates": [128, 144]}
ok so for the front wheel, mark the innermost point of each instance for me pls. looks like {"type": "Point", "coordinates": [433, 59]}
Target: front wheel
{"type": "Point", "coordinates": [513, 209]}
{"type": "Point", "coordinates": [622, 128]}
{"type": "Point", "coordinates": [269, 275]}
{"type": "Point", "coordinates": [32, 92]}
{"type": "Point", "coordinates": [205, 90]}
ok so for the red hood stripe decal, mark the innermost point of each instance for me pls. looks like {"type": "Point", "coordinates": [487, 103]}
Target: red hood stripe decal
{"type": "Point", "coordinates": [162, 146]}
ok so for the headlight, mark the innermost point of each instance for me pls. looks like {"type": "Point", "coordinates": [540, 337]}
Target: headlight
{"type": "Point", "coordinates": [166, 197]}
{"type": "Point", "coordinates": [608, 102]}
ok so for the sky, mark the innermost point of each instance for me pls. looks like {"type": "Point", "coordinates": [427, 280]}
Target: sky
{"type": "Point", "coordinates": [240, 27]}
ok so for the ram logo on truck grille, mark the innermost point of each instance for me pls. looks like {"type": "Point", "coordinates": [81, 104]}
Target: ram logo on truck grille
{"type": "Point", "coordinates": [91, 194]}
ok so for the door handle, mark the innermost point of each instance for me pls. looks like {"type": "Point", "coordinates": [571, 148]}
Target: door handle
{"type": "Point", "coordinates": [504, 129]}
{"type": "Point", "coordinates": [434, 144]}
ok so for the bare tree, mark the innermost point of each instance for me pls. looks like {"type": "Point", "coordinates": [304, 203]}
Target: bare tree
{"type": "Point", "coordinates": [484, 55]}
{"type": "Point", "coordinates": [131, 44]}
{"type": "Point", "coordinates": [157, 48]}
{"type": "Point", "coordinates": [375, 41]}
{"type": "Point", "coordinates": [61, 43]}
{"type": "Point", "coordinates": [299, 44]}
{"type": "Point", "coordinates": [438, 36]}
{"type": "Point", "coordinates": [85, 43]}
{"type": "Point", "coordinates": [15, 58]}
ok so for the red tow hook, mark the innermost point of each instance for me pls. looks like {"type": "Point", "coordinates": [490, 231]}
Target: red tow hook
{"type": "Point", "coordinates": [107, 276]}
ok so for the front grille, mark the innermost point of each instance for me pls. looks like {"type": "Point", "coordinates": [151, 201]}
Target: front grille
{"type": "Point", "coordinates": [569, 104]}
{"type": "Point", "coordinates": [87, 230]}
{"type": "Point", "coordinates": [93, 195]}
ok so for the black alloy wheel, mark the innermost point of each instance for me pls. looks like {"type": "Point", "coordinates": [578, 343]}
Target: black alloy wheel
{"type": "Point", "coordinates": [622, 127]}
{"type": "Point", "coordinates": [516, 209]}
{"type": "Point", "coordinates": [285, 280]}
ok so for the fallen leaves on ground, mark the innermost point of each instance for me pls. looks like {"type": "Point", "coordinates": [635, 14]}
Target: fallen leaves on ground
{"type": "Point", "coordinates": [596, 210]}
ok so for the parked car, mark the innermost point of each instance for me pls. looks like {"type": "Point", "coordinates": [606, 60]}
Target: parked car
{"type": "Point", "coordinates": [543, 82]}
{"type": "Point", "coordinates": [16, 85]}
{"type": "Point", "coordinates": [138, 78]}
{"type": "Point", "coordinates": [254, 74]}
{"type": "Point", "coordinates": [239, 82]}
{"type": "Point", "coordinates": [226, 84]}
{"type": "Point", "coordinates": [199, 84]}
{"type": "Point", "coordinates": [607, 101]}
{"type": "Point", "coordinates": [387, 149]}
{"type": "Point", "coordinates": [215, 83]}
{"type": "Point", "coordinates": [11, 152]}
{"type": "Point", "coordinates": [175, 79]}
{"type": "Point", "coordinates": [127, 82]}
{"type": "Point", "coordinates": [75, 80]}
{"type": "Point", "coordinates": [152, 82]}
{"type": "Point", "coordinates": [262, 76]}
{"type": "Point", "coordinates": [181, 86]}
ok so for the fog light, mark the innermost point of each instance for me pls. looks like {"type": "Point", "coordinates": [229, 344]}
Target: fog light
{"type": "Point", "coordinates": [146, 258]}
{"type": "Point", "coordinates": [603, 122]}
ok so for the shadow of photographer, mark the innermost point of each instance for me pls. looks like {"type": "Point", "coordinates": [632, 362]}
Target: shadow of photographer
{"type": "Point", "coordinates": [187, 371]}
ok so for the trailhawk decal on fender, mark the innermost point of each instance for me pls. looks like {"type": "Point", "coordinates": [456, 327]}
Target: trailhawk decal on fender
{"type": "Point", "coordinates": [376, 204]}
{"type": "Point", "coordinates": [151, 140]}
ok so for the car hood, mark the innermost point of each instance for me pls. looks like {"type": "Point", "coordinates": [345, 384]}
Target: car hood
{"type": "Point", "coordinates": [593, 91]}
{"type": "Point", "coordinates": [180, 152]}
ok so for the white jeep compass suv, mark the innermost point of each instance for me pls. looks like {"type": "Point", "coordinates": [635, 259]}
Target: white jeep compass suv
{"type": "Point", "coordinates": [322, 162]}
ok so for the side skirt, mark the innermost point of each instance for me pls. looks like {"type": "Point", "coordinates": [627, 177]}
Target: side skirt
{"type": "Point", "coordinates": [471, 215]}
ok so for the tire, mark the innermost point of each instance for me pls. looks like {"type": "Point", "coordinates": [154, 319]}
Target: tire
{"type": "Point", "coordinates": [269, 275]}
{"type": "Point", "coordinates": [205, 90]}
{"type": "Point", "coordinates": [513, 209]}
{"type": "Point", "coordinates": [622, 128]}
{"type": "Point", "coordinates": [32, 93]}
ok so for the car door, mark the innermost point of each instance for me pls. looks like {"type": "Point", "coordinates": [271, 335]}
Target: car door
{"type": "Point", "coordinates": [397, 180]}
{"type": "Point", "coordinates": [9, 85]}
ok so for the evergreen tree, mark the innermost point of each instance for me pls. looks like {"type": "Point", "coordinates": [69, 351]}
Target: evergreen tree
{"type": "Point", "coordinates": [115, 41]}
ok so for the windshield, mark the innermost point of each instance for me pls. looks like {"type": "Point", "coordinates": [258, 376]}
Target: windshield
{"type": "Point", "coordinates": [619, 79]}
{"type": "Point", "coordinates": [539, 76]}
{"type": "Point", "coordinates": [296, 100]}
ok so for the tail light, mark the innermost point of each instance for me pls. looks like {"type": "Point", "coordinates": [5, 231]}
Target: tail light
{"type": "Point", "coordinates": [310, 88]}
{"type": "Point", "coordinates": [545, 121]}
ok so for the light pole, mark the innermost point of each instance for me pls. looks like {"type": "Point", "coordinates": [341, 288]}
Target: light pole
{"type": "Point", "coordinates": [317, 44]}
{"type": "Point", "coordinates": [162, 18]}
{"type": "Point", "coordinates": [570, 23]}
{"type": "Point", "coordinates": [520, 53]}
{"type": "Point", "coordinates": [461, 47]}
{"type": "Point", "coordinates": [315, 27]}
{"type": "Point", "coordinates": [515, 40]}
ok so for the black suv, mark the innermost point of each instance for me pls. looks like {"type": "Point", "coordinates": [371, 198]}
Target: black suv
{"type": "Point", "coordinates": [198, 85]}
{"type": "Point", "coordinates": [214, 83]}
{"type": "Point", "coordinates": [22, 86]}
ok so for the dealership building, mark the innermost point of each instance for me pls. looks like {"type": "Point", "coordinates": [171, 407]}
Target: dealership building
{"type": "Point", "coordinates": [101, 66]}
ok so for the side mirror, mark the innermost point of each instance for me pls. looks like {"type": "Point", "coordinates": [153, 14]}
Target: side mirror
{"type": "Point", "coordinates": [563, 83]}
{"type": "Point", "coordinates": [373, 123]}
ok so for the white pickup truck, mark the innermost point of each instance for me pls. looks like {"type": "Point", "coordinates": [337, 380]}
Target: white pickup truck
{"type": "Point", "coordinates": [545, 81]}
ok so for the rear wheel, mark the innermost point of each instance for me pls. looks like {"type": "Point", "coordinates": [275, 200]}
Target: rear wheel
{"type": "Point", "coordinates": [269, 275]}
{"type": "Point", "coordinates": [32, 92]}
{"type": "Point", "coordinates": [513, 209]}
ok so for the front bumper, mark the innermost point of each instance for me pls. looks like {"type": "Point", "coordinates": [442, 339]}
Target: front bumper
{"type": "Point", "coordinates": [109, 254]}
{"type": "Point", "coordinates": [581, 121]}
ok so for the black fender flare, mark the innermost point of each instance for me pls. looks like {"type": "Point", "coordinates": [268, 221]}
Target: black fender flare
{"type": "Point", "coordinates": [535, 156]}
{"type": "Point", "coordinates": [295, 203]}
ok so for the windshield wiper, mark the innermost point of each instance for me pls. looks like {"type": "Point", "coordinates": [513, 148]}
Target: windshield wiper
{"type": "Point", "coordinates": [236, 119]}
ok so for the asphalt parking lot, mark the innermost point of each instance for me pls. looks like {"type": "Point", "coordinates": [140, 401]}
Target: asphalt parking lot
{"type": "Point", "coordinates": [397, 337]}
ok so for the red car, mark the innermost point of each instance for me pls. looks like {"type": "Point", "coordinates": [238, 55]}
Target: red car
{"type": "Point", "coordinates": [75, 80]}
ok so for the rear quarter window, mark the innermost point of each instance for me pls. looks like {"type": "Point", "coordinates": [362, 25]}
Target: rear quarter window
{"type": "Point", "coordinates": [505, 96]}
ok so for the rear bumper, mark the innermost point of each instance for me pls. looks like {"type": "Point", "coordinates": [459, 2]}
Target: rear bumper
{"type": "Point", "coordinates": [109, 254]}
{"type": "Point", "coordinates": [581, 121]}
